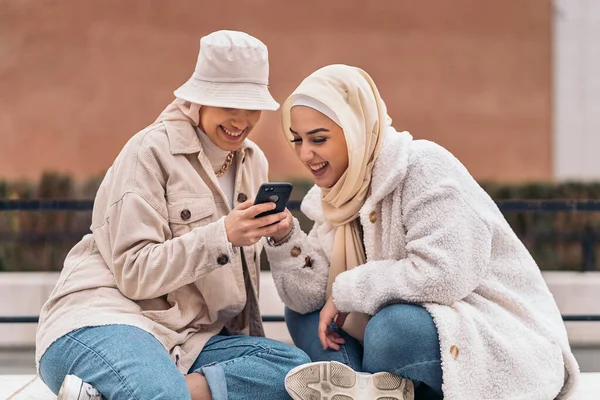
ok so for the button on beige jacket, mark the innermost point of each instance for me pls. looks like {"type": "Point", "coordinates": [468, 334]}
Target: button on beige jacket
{"type": "Point", "coordinates": [158, 256]}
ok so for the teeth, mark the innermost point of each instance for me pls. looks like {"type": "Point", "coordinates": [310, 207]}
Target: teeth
{"type": "Point", "coordinates": [231, 133]}
{"type": "Point", "coordinates": [317, 167]}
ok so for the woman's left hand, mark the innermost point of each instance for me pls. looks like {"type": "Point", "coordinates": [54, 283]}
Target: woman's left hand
{"type": "Point", "coordinates": [285, 227]}
{"type": "Point", "coordinates": [328, 338]}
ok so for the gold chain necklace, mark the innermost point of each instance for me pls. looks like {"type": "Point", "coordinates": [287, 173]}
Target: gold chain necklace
{"type": "Point", "coordinates": [226, 165]}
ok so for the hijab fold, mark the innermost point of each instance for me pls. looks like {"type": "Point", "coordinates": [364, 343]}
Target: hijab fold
{"type": "Point", "coordinates": [181, 110]}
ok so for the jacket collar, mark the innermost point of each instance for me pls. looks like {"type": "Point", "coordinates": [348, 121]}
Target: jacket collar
{"type": "Point", "coordinates": [391, 165]}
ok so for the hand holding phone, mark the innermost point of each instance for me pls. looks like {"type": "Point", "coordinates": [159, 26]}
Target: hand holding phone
{"type": "Point", "coordinates": [275, 192]}
{"type": "Point", "coordinates": [247, 223]}
{"type": "Point", "coordinates": [278, 193]}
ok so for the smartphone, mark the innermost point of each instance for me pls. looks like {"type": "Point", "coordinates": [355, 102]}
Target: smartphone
{"type": "Point", "coordinates": [276, 192]}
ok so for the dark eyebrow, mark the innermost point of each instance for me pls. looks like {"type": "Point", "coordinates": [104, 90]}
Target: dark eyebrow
{"type": "Point", "coordinates": [311, 132]}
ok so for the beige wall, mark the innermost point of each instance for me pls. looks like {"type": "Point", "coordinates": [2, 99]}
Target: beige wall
{"type": "Point", "coordinates": [78, 78]}
{"type": "Point", "coordinates": [576, 65]}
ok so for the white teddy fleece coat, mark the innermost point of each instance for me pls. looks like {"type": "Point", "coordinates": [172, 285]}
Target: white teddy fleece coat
{"type": "Point", "coordinates": [434, 237]}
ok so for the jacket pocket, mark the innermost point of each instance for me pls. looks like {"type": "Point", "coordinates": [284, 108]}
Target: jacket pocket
{"type": "Point", "coordinates": [174, 311]}
{"type": "Point", "coordinates": [189, 211]}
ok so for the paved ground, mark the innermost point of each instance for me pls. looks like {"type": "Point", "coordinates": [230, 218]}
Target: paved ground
{"type": "Point", "coordinates": [28, 387]}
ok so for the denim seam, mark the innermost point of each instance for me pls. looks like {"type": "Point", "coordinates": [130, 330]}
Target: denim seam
{"type": "Point", "coordinates": [106, 362]}
{"type": "Point", "coordinates": [397, 372]}
{"type": "Point", "coordinates": [345, 355]}
{"type": "Point", "coordinates": [221, 363]}
{"type": "Point", "coordinates": [215, 348]}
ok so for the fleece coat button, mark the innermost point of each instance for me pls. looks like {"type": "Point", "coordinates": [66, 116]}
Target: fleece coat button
{"type": "Point", "coordinates": [454, 351]}
{"type": "Point", "coordinates": [307, 262]}
{"type": "Point", "coordinates": [373, 217]}
{"type": "Point", "coordinates": [222, 259]}
{"type": "Point", "coordinates": [185, 214]}
{"type": "Point", "coordinates": [295, 252]}
{"type": "Point", "coordinates": [242, 198]}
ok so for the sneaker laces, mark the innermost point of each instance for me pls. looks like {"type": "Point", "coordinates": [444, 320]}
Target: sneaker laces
{"type": "Point", "coordinates": [92, 392]}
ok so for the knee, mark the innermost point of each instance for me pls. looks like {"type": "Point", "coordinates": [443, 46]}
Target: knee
{"type": "Point", "coordinates": [399, 330]}
{"type": "Point", "coordinates": [292, 318]}
{"type": "Point", "coordinates": [302, 327]}
{"type": "Point", "coordinates": [51, 379]}
{"type": "Point", "coordinates": [286, 356]}
{"type": "Point", "coordinates": [51, 371]}
{"type": "Point", "coordinates": [295, 320]}
{"type": "Point", "coordinates": [296, 356]}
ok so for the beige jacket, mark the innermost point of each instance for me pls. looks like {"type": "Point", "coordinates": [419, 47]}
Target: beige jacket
{"type": "Point", "coordinates": [158, 257]}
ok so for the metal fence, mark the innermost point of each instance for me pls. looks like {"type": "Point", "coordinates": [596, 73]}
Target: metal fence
{"type": "Point", "coordinates": [503, 205]}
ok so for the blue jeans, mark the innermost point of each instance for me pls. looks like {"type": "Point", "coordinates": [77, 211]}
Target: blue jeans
{"type": "Point", "coordinates": [401, 339]}
{"type": "Point", "coordinates": [127, 363]}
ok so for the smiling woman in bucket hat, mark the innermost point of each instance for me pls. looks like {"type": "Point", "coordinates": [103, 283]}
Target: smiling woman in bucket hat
{"type": "Point", "coordinates": [160, 300]}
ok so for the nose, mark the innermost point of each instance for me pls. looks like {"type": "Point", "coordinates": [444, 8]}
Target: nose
{"type": "Point", "coordinates": [244, 118]}
{"type": "Point", "coordinates": [239, 123]}
{"type": "Point", "coordinates": [305, 153]}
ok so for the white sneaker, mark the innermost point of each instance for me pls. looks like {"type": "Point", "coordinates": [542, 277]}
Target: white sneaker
{"type": "Point", "coordinates": [73, 388]}
{"type": "Point", "coordinates": [336, 381]}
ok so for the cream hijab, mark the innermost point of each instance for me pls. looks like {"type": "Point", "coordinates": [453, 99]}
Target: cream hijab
{"type": "Point", "coordinates": [352, 95]}
{"type": "Point", "coordinates": [181, 109]}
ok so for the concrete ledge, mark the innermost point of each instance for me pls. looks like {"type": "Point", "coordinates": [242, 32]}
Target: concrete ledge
{"type": "Point", "coordinates": [25, 293]}
{"type": "Point", "coordinates": [577, 293]}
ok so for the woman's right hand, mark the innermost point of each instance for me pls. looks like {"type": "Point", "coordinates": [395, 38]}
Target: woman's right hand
{"type": "Point", "coordinates": [245, 230]}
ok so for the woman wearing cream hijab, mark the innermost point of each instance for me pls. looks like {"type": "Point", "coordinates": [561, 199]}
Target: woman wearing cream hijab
{"type": "Point", "coordinates": [432, 293]}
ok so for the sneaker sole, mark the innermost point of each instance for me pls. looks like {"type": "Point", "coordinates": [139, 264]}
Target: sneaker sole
{"type": "Point", "coordinates": [69, 387]}
{"type": "Point", "coordinates": [337, 381]}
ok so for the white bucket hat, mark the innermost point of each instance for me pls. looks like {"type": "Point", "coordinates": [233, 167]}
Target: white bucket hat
{"type": "Point", "coordinates": [232, 72]}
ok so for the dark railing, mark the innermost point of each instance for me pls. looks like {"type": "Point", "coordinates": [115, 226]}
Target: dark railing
{"type": "Point", "coordinates": [279, 318]}
{"type": "Point", "coordinates": [503, 205]}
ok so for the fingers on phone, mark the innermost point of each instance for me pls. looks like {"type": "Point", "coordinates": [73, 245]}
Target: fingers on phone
{"type": "Point", "coordinates": [245, 205]}
{"type": "Point", "coordinates": [271, 219]}
{"type": "Point", "coordinates": [269, 229]}
{"type": "Point", "coordinates": [261, 208]}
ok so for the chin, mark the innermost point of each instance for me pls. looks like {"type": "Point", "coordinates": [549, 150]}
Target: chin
{"type": "Point", "coordinates": [324, 184]}
{"type": "Point", "coordinates": [228, 146]}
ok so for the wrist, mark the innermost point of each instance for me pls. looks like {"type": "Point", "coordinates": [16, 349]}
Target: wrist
{"type": "Point", "coordinates": [278, 240]}
{"type": "Point", "coordinates": [278, 236]}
